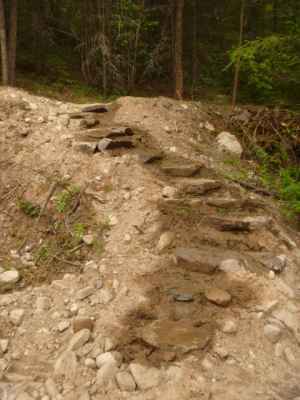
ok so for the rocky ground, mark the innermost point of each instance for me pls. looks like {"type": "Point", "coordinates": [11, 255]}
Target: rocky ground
{"type": "Point", "coordinates": [131, 266]}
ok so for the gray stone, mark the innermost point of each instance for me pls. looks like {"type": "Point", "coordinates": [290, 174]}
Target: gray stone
{"type": "Point", "coordinates": [106, 374]}
{"type": "Point", "coordinates": [209, 126]}
{"type": "Point", "coordinates": [180, 336]}
{"type": "Point", "coordinates": [79, 339]}
{"type": "Point", "coordinates": [4, 345]}
{"type": "Point", "coordinates": [231, 266]}
{"type": "Point", "coordinates": [66, 365]}
{"type": "Point", "coordinates": [145, 377]}
{"type": "Point", "coordinates": [90, 363]}
{"type": "Point", "coordinates": [229, 143]}
{"type": "Point", "coordinates": [110, 344]}
{"type": "Point", "coordinates": [196, 260]}
{"type": "Point", "coordinates": [11, 276]}
{"type": "Point", "coordinates": [63, 326]}
{"type": "Point", "coordinates": [83, 323]}
{"type": "Point", "coordinates": [85, 147]}
{"type": "Point", "coordinates": [184, 297]}
{"type": "Point", "coordinates": [85, 292]}
{"type": "Point", "coordinates": [169, 191]}
{"type": "Point", "coordinates": [185, 170]}
{"type": "Point", "coordinates": [198, 186]}
{"type": "Point", "coordinates": [125, 381]}
{"type": "Point", "coordinates": [272, 332]}
{"type": "Point", "coordinates": [289, 319]}
{"type": "Point", "coordinates": [110, 357]}
{"type": "Point", "coordinates": [88, 240]}
{"type": "Point", "coordinates": [16, 316]}
{"type": "Point", "coordinates": [247, 224]}
{"type": "Point", "coordinates": [218, 296]}
{"type": "Point", "coordinates": [43, 303]}
{"type": "Point", "coordinates": [229, 326]}
{"type": "Point", "coordinates": [165, 240]}
{"type": "Point", "coordinates": [95, 108]}
{"type": "Point", "coordinates": [149, 157]}
{"type": "Point", "coordinates": [289, 355]}
{"type": "Point", "coordinates": [103, 144]}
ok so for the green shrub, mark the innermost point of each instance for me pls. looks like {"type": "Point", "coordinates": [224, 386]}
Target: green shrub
{"type": "Point", "coordinates": [29, 209]}
{"type": "Point", "coordinates": [270, 67]}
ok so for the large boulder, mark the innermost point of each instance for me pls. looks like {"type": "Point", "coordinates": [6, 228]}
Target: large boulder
{"type": "Point", "coordinates": [229, 144]}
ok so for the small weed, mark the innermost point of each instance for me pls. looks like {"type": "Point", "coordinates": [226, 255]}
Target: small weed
{"type": "Point", "coordinates": [42, 254]}
{"type": "Point", "coordinates": [78, 231]}
{"type": "Point", "coordinates": [29, 209]}
{"type": "Point", "coordinates": [184, 211]}
{"type": "Point", "coordinates": [107, 188]}
{"type": "Point", "coordinates": [234, 162]}
{"type": "Point", "coordinates": [65, 199]}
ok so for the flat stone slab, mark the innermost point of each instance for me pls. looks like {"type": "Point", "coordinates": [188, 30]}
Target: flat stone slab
{"type": "Point", "coordinates": [85, 147]}
{"type": "Point", "coordinates": [197, 260]}
{"type": "Point", "coordinates": [198, 187]}
{"type": "Point", "coordinates": [118, 143]}
{"type": "Point", "coordinates": [150, 157]}
{"type": "Point", "coordinates": [241, 224]}
{"type": "Point", "coordinates": [184, 171]}
{"type": "Point", "coordinates": [96, 108]}
{"type": "Point", "coordinates": [107, 132]}
{"type": "Point", "coordinates": [180, 336]}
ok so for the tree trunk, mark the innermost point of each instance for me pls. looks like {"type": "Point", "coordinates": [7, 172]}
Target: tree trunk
{"type": "Point", "coordinates": [3, 44]}
{"type": "Point", "coordinates": [238, 63]}
{"type": "Point", "coordinates": [13, 26]}
{"type": "Point", "coordinates": [178, 49]}
{"type": "Point", "coordinates": [195, 47]}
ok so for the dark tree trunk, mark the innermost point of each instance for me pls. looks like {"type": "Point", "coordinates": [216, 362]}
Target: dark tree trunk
{"type": "Point", "coordinates": [238, 63]}
{"type": "Point", "coordinates": [13, 26]}
{"type": "Point", "coordinates": [3, 44]}
{"type": "Point", "coordinates": [178, 49]}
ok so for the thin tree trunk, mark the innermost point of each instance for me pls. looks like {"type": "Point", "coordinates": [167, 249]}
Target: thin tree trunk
{"type": "Point", "coordinates": [13, 26]}
{"type": "Point", "coordinates": [178, 49]}
{"type": "Point", "coordinates": [3, 44]}
{"type": "Point", "coordinates": [238, 62]}
{"type": "Point", "coordinates": [195, 47]}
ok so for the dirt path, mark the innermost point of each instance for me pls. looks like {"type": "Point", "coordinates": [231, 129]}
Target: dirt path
{"type": "Point", "coordinates": [138, 271]}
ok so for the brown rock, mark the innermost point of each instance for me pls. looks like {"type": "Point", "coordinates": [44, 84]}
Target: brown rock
{"type": "Point", "coordinates": [83, 323]}
{"type": "Point", "coordinates": [198, 186]}
{"type": "Point", "coordinates": [218, 296]}
{"type": "Point", "coordinates": [197, 260]}
{"type": "Point", "coordinates": [181, 170]}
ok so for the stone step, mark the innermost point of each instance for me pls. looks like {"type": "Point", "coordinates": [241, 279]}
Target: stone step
{"type": "Point", "coordinates": [184, 171]}
{"type": "Point", "coordinates": [104, 132]}
{"type": "Point", "coordinates": [195, 260]}
{"type": "Point", "coordinates": [180, 336]}
{"type": "Point", "coordinates": [218, 203]}
{"type": "Point", "coordinates": [95, 108]}
{"type": "Point", "coordinates": [197, 186]}
{"type": "Point", "coordinates": [149, 157]}
{"type": "Point", "coordinates": [246, 224]}
{"type": "Point", "coordinates": [118, 143]}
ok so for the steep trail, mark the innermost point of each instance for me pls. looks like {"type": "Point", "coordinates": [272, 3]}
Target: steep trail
{"type": "Point", "coordinates": [196, 294]}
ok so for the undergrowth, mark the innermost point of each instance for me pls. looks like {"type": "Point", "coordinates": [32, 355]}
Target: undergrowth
{"type": "Point", "coordinates": [285, 180]}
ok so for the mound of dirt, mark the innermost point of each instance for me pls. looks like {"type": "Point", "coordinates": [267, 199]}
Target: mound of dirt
{"type": "Point", "coordinates": [131, 266]}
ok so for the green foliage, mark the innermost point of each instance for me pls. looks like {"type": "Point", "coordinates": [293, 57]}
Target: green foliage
{"type": "Point", "coordinates": [290, 189]}
{"type": "Point", "coordinates": [78, 231]}
{"type": "Point", "coordinates": [64, 200]}
{"type": "Point", "coordinates": [270, 66]}
{"type": "Point", "coordinates": [29, 209]}
{"type": "Point", "coordinates": [284, 180]}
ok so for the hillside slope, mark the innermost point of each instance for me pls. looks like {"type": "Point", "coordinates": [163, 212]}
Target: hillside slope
{"type": "Point", "coordinates": [131, 266]}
